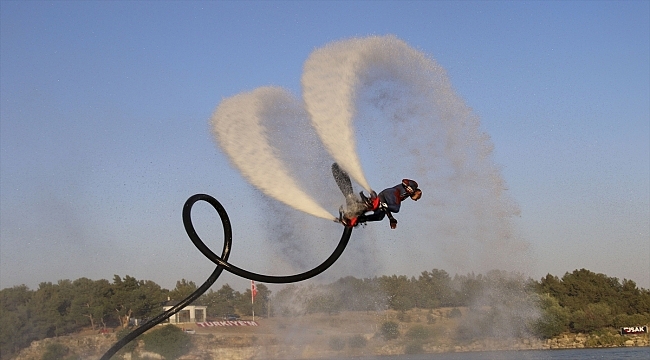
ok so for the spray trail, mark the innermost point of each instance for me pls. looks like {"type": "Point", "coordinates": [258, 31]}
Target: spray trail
{"type": "Point", "coordinates": [238, 125]}
{"type": "Point", "coordinates": [328, 82]}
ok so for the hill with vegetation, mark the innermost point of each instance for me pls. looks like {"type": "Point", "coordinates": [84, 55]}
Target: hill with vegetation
{"type": "Point", "coordinates": [494, 306]}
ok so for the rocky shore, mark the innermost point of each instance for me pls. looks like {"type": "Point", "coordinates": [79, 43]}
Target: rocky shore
{"type": "Point", "coordinates": [346, 334]}
{"type": "Point", "coordinates": [580, 341]}
{"type": "Point", "coordinates": [250, 346]}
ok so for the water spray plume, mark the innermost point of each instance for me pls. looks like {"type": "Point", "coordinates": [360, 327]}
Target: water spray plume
{"type": "Point", "coordinates": [238, 126]}
{"type": "Point", "coordinates": [334, 76]}
{"type": "Point", "coordinates": [328, 81]}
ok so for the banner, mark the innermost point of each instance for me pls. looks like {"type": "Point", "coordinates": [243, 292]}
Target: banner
{"type": "Point", "coordinates": [631, 330]}
{"type": "Point", "coordinates": [227, 323]}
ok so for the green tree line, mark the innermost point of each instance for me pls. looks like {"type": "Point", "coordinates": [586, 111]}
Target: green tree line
{"type": "Point", "coordinates": [70, 306]}
{"type": "Point", "coordinates": [581, 301]}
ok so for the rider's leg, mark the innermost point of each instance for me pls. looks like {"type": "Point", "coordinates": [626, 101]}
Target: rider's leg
{"type": "Point", "coordinates": [375, 216]}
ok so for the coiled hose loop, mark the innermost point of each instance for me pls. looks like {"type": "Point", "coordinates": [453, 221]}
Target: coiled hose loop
{"type": "Point", "coordinates": [222, 264]}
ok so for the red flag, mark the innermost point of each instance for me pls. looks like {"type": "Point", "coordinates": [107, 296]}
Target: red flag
{"type": "Point", "coordinates": [253, 290]}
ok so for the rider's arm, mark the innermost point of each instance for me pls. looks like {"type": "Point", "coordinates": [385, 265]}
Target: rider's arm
{"type": "Point", "coordinates": [393, 221]}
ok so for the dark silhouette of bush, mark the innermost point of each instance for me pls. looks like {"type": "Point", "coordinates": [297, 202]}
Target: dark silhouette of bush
{"type": "Point", "coordinates": [168, 341]}
{"type": "Point", "coordinates": [389, 330]}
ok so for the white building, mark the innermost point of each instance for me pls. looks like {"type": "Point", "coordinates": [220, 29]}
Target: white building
{"type": "Point", "coordinates": [189, 314]}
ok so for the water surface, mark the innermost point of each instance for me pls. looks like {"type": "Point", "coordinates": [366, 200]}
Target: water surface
{"type": "Point", "coordinates": [566, 354]}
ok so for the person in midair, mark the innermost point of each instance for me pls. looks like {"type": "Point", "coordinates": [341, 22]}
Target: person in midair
{"type": "Point", "coordinates": [390, 201]}
{"type": "Point", "coordinates": [384, 204]}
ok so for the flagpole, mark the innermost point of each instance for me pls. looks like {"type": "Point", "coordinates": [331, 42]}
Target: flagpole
{"type": "Point", "coordinates": [253, 298]}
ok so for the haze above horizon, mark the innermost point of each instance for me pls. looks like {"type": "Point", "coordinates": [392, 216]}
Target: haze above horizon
{"type": "Point", "coordinates": [104, 110]}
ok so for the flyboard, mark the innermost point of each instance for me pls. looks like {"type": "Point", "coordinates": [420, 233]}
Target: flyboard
{"type": "Point", "coordinates": [355, 206]}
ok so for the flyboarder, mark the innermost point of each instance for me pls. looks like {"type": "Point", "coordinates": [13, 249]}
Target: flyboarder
{"type": "Point", "coordinates": [387, 202]}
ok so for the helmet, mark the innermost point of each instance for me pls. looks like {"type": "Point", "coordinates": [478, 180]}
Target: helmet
{"type": "Point", "coordinates": [409, 185]}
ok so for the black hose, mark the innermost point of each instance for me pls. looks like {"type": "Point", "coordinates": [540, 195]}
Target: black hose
{"type": "Point", "coordinates": [222, 264]}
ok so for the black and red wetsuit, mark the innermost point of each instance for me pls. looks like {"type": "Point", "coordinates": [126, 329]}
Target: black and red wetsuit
{"type": "Point", "coordinates": [392, 198]}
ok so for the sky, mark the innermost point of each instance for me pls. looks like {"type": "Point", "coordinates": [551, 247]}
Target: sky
{"type": "Point", "coordinates": [104, 130]}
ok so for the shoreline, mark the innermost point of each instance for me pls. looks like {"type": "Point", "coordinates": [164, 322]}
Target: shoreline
{"type": "Point", "coordinates": [252, 346]}
{"type": "Point", "coordinates": [341, 335]}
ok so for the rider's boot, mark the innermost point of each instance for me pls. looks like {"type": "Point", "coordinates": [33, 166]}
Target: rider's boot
{"type": "Point", "coordinates": [347, 222]}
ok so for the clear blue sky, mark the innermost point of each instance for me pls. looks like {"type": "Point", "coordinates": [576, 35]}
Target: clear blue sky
{"type": "Point", "coordinates": [104, 110]}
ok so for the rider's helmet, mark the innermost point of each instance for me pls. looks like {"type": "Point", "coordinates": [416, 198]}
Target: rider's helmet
{"type": "Point", "coordinates": [411, 187]}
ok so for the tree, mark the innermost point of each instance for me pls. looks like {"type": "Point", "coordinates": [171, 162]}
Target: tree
{"type": "Point", "coordinates": [398, 291]}
{"type": "Point", "coordinates": [551, 286]}
{"type": "Point", "coordinates": [50, 309]}
{"type": "Point", "coordinates": [553, 320]}
{"type": "Point", "coordinates": [638, 300]}
{"type": "Point", "coordinates": [470, 287]}
{"type": "Point", "coordinates": [152, 297]}
{"type": "Point", "coordinates": [220, 302]}
{"type": "Point", "coordinates": [434, 289]}
{"type": "Point", "coordinates": [583, 287]}
{"type": "Point", "coordinates": [133, 298]}
{"type": "Point", "coordinates": [91, 301]}
{"type": "Point", "coordinates": [593, 317]}
{"type": "Point", "coordinates": [183, 289]}
{"type": "Point", "coordinates": [15, 322]}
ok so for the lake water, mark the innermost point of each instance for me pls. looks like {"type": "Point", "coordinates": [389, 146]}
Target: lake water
{"type": "Point", "coordinates": [642, 353]}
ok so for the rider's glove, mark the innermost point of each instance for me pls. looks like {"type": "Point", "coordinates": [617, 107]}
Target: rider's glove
{"type": "Point", "coordinates": [393, 223]}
